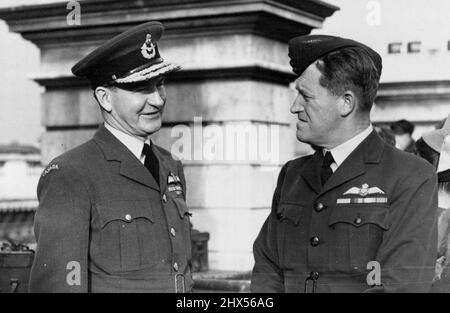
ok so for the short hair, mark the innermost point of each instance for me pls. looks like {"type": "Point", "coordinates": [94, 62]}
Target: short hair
{"type": "Point", "coordinates": [402, 127]}
{"type": "Point", "coordinates": [350, 69]}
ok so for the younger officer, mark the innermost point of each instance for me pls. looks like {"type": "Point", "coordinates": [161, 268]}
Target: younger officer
{"type": "Point", "coordinates": [359, 214]}
{"type": "Point", "coordinates": [112, 215]}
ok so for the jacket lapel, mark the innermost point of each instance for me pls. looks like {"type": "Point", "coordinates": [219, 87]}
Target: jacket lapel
{"type": "Point", "coordinates": [164, 168]}
{"type": "Point", "coordinates": [130, 166]}
{"type": "Point", "coordinates": [369, 151]}
{"type": "Point", "coordinates": [311, 172]}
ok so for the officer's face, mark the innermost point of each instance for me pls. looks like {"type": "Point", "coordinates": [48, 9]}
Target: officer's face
{"type": "Point", "coordinates": [317, 110]}
{"type": "Point", "coordinates": [138, 110]}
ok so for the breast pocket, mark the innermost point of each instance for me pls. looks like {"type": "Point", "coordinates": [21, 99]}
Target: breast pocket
{"type": "Point", "coordinates": [356, 233]}
{"type": "Point", "coordinates": [182, 208]}
{"type": "Point", "coordinates": [289, 213]}
{"type": "Point", "coordinates": [184, 223]}
{"type": "Point", "coordinates": [290, 234]}
{"type": "Point", "coordinates": [125, 226]}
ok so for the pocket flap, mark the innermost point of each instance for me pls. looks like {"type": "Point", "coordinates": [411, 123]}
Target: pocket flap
{"type": "Point", "coordinates": [289, 211]}
{"type": "Point", "coordinates": [358, 216]}
{"type": "Point", "coordinates": [126, 211]}
{"type": "Point", "coordinates": [182, 207]}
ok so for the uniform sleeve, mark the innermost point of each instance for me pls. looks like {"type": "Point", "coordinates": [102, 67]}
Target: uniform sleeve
{"type": "Point", "coordinates": [407, 255]}
{"type": "Point", "coordinates": [267, 275]}
{"type": "Point", "coordinates": [61, 228]}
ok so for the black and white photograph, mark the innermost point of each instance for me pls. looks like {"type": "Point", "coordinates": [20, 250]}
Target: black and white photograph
{"type": "Point", "coordinates": [228, 150]}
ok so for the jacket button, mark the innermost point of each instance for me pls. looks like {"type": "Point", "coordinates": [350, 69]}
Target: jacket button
{"type": "Point", "coordinates": [172, 231]}
{"type": "Point", "coordinates": [314, 275]}
{"type": "Point", "coordinates": [319, 207]}
{"type": "Point", "coordinates": [175, 266]}
{"type": "Point", "coordinates": [315, 241]}
{"type": "Point", "coordinates": [164, 198]}
{"type": "Point", "coordinates": [128, 217]}
{"type": "Point", "coordinates": [358, 220]}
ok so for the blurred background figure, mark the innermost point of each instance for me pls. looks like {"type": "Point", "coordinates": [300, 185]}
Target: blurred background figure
{"type": "Point", "coordinates": [442, 277]}
{"type": "Point", "coordinates": [386, 134]}
{"type": "Point", "coordinates": [403, 130]}
{"type": "Point", "coordinates": [430, 144]}
{"type": "Point", "coordinates": [434, 146]}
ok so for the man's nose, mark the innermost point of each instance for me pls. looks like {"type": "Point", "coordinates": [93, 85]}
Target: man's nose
{"type": "Point", "coordinates": [297, 105]}
{"type": "Point", "coordinates": [155, 98]}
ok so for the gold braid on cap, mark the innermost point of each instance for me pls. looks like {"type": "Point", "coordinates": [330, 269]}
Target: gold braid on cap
{"type": "Point", "coordinates": [149, 73]}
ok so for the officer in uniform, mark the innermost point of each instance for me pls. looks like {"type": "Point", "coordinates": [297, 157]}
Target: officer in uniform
{"type": "Point", "coordinates": [358, 215]}
{"type": "Point", "coordinates": [112, 215]}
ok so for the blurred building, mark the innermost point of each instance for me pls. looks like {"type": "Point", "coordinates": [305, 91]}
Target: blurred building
{"type": "Point", "coordinates": [20, 169]}
{"type": "Point", "coordinates": [19, 95]}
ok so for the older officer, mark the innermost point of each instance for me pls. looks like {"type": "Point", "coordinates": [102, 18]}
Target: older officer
{"type": "Point", "coordinates": [358, 215]}
{"type": "Point", "coordinates": [112, 215]}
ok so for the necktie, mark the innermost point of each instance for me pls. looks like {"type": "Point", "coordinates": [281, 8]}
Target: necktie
{"type": "Point", "coordinates": [151, 162]}
{"type": "Point", "coordinates": [326, 170]}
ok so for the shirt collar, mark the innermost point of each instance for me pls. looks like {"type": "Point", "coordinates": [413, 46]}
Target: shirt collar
{"type": "Point", "coordinates": [133, 144]}
{"type": "Point", "coordinates": [341, 152]}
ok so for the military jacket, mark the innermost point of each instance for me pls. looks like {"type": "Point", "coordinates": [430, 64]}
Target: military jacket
{"type": "Point", "coordinates": [104, 224]}
{"type": "Point", "coordinates": [371, 227]}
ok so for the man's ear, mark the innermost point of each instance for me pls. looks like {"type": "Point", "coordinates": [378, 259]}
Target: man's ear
{"type": "Point", "coordinates": [348, 103]}
{"type": "Point", "coordinates": [103, 96]}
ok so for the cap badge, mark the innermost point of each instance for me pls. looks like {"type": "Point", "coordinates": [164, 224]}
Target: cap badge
{"type": "Point", "coordinates": [148, 48]}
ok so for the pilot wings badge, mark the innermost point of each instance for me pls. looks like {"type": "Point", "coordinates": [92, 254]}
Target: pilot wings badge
{"type": "Point", "coordinates": [148, 48]}
{"type": "Point", "coordinates": [364, 191]}
{"type": "Point", "coordinates": [359, 195]}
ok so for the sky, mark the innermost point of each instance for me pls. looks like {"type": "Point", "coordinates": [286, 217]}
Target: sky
{"type": "Point", "coordinates": [380, 22]}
